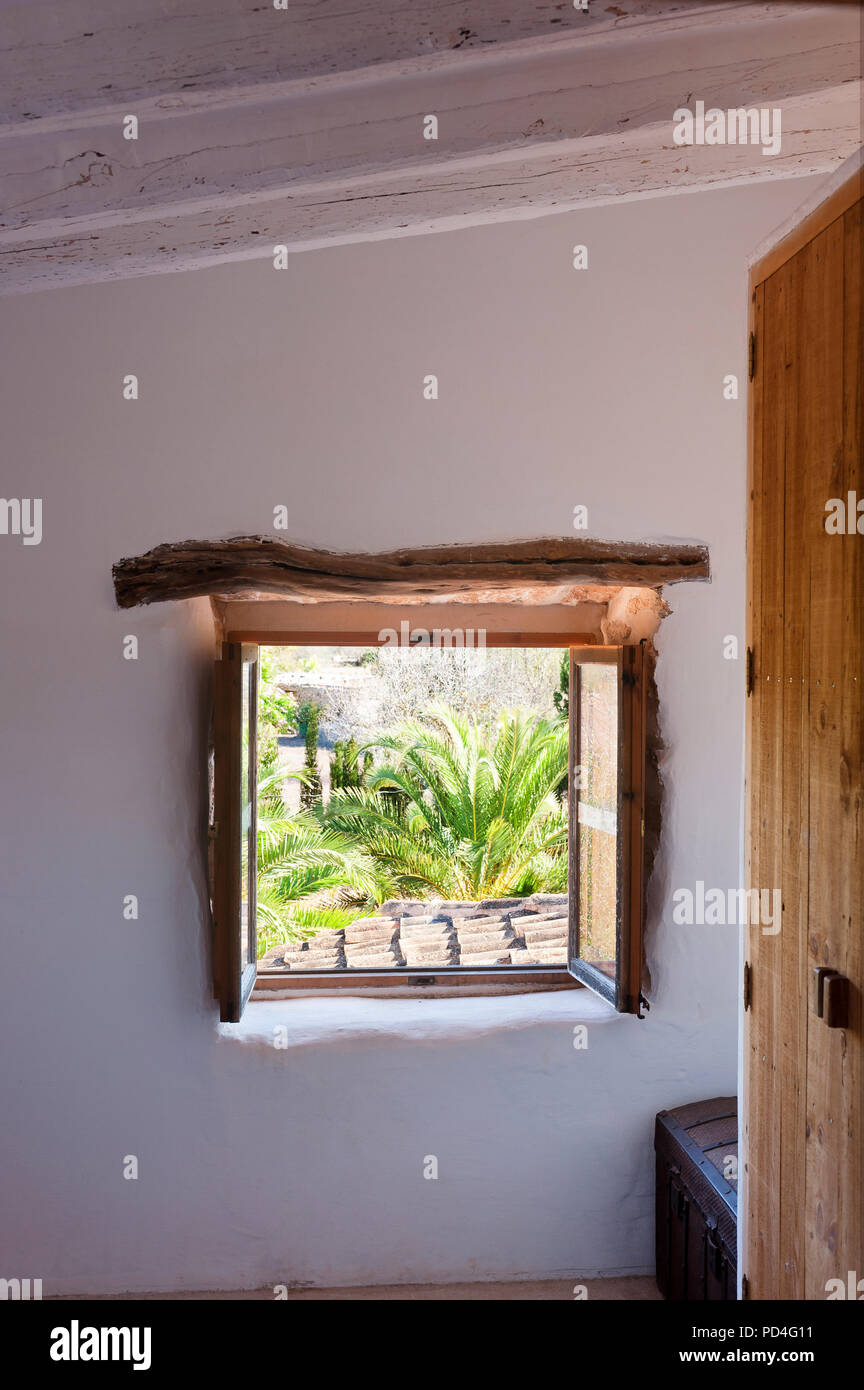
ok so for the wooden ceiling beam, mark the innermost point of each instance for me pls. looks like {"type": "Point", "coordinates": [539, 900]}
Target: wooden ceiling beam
{"type": "Point", "coordinates": [244, 566]}
{"type": "Point", "coordinates": [61, 56]}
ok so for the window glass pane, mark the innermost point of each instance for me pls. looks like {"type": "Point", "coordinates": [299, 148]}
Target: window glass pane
{"type": "Point", "coordinates": [597, 805]}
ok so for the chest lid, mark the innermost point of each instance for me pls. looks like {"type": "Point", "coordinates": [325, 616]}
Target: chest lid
{"type": "Point", "coordinates": [706, 1134]}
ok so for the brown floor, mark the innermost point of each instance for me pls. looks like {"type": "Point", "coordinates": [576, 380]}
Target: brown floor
{"type": "Point", "coordinates": [544, 1290]}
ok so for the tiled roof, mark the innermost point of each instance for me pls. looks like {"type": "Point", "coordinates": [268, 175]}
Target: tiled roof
{"type": "Point", "coordinates": [425, 935]}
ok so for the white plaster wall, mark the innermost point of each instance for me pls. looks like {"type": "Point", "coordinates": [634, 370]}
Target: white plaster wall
{"type": "Point", "coordinates": [260, 1166]}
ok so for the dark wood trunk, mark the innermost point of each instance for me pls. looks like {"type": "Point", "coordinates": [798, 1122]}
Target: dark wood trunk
{"type": "Point", "coordinates": [697, 1207]}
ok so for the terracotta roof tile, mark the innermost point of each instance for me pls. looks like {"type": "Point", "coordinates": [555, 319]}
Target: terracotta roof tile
{"type": "Point", "coordinates": [422, 935]}
{"type": "Point", "coordinates": [547, 934]}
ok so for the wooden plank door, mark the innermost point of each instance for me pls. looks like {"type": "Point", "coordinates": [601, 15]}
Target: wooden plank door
{"type": "Point", "coordinates": [803, 1106]}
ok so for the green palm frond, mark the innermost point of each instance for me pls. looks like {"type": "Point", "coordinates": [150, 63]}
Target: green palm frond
{"type": "Point", "coordinates": [302, 866]}
{"type": "Point", "coordinates": [472, 812]}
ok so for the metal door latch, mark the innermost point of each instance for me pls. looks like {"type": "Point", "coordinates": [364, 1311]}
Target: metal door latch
{"type": "Point", "coordinates": [830, 996]}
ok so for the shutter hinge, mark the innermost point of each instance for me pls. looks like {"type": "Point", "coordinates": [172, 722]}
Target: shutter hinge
{"type": "Point", "coordinates": [748, 985]}
{"type": "Point", "coordinates": [751, 357]}
{"type": "Point", "coordinates": [745, 1288]}
{"type": "Point", "coordinates": [750, 664]}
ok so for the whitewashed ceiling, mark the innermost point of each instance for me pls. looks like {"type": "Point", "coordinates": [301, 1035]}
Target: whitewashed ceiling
{"type": "Point", "coordinates": [301, 127]}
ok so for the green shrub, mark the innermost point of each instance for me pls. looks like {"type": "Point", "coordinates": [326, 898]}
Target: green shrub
{"type": "Point", "coordinates": [310, 792]}
{"type": "Point", "coordinates": [303, 713]}
{"type": "Point", "coordinates": [337, 766]}
{"type": "Point", "coordinates": [561, 696]}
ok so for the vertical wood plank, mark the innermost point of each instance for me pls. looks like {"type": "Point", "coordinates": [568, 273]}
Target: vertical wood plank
{"type": "Point", "coordinates": [791, 943]}
{"type": "Point", "coordinates": [802, 1123]}
{"type": "Point", "coordinates": [851, 908]}
{"type": "Point", "coordinates": [766, 951]}
{"type": "Point", "coordinates": [749, 1128]}
{"type": "Point", "coordinates": [819, 454]}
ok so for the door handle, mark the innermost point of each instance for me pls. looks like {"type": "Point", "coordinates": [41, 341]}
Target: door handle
{"type": "Point", "coordinates": [830, 996]}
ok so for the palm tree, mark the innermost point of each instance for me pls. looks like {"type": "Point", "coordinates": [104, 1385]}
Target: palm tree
{"type": "Point", "coordinates": [310, 876]}
{"type": "Point", "coordinates": [467, 813]}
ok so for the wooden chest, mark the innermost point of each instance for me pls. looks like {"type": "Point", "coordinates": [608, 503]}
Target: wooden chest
{"type": "Point", "coordinates": [697, 1199]}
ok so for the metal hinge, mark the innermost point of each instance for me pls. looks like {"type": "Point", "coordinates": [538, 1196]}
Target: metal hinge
{"type": "Point", "coordinates": [748, 985]}
{"type": "Point", "coordinates": [750, 669]}
{"type": "Point", "coordinates": [751, 357]}
{"type": "Point", "coordinates": [745, 1288]}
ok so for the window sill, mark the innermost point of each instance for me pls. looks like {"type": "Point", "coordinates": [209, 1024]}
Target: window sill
{"type": "Point", "coordinates": [413, 984]}
{"type": "Point", "coordinates": [313, 1019]}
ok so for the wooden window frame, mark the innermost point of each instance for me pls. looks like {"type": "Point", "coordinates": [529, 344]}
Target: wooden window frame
{"type": "Point", "coordinates": [233, 977]}
{"type": "Point", "coordinates": [624, 992]}
{"type": "Point", "coordinates": [233, 987]}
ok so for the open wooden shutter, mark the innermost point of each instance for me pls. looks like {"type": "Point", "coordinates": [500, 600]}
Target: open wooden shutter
{"type": "Point", "coordinates": [234, 832]}
{"type": "Point", "coordinates": [607, 840]}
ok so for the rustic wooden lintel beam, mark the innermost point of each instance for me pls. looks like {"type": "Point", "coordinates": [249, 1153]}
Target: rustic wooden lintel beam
{"type": "Point", "coordinates": [244, 566]}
